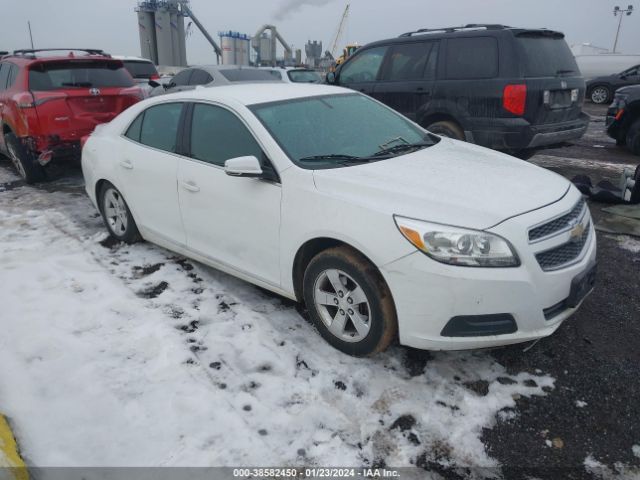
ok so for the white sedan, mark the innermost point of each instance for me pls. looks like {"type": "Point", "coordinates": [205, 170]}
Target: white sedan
{"type": "Point", "coordinates": [330, 198]}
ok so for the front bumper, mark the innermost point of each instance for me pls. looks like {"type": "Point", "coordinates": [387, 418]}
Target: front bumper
{"type": "Point", "coordinates": [519, 134]}
{"type": "Point", "coordinates": [429, 294]}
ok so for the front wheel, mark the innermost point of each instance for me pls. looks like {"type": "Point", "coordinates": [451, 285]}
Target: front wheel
{"type": "Point", "coordinates": [349, 302]}
{"type": "Point", "coordinates": [600, 94]}
{"type": "Point", "coordinates": [117, 216]}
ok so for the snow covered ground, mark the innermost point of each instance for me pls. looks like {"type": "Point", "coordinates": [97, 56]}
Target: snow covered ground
{"type": "Point", "coordinates": [119, 355]}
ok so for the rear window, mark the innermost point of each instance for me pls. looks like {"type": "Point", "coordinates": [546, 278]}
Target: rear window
{"type": "Point", "coordinates": [247, 75]}
{"type": "Point", "coordinates": [141, 69]}
{"type": "Point", "coordinates": [545, 56]}
{"type": "Point", "coordinates": [469, 58]}
{"type": "Point", "coordinates": [304, 76]}
{"type": "Point", "coordinates": [64, 75]}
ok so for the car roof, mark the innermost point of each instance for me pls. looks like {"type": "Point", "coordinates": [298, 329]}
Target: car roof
{"type": "Point", "coordinates": [29, 59]}
{"type": "Point", "coordinates": [254, 93]}
{"type": "Point", "coordinates": [131, 58]}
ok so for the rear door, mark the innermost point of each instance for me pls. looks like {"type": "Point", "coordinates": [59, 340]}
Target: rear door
{"type": "Point", "coordinates": [555, 86]}
{"type": "Point", "coordinates": [407, 78]}
{"type": "Point", "coordinates": [361, 72]}
{"type": "Point", "coordinates": [74, 96]}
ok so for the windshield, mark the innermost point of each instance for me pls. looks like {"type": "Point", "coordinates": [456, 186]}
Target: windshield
{"type": "Point", "coordinates": [247, 75]}
{"type": "Point", "coordinates": [545, 56]}
{"type": "Point", "coordinates": [304, 76]}
{"type": "Point", "coordinates": [139, 69]}
{"type": "Point", "coordinates": [330, 129]}
{"type": "Point", "coordinates": [62, 75]}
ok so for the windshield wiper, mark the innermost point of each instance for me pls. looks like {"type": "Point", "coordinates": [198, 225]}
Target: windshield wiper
{"type": "Point", "coordinates": [403, 148]}
{"type": "Point", "coordinates": [329, 156]}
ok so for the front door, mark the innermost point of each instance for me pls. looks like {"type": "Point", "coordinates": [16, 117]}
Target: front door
{"type": "Point", "coordinates": [232, 220]}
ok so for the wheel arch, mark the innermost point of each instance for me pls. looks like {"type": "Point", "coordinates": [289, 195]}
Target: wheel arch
{"type": "Point", "coordinates": [439, 117]}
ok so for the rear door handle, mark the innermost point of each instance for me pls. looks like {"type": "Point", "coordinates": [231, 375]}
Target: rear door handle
{"type": "Point", "coordinates": [126, 164]}
{"type": "Point", "coordinates": [190, 186]}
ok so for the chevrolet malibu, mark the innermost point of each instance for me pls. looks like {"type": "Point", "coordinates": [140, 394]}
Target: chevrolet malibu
{"type": "Point", "coordinates": [330, 198]}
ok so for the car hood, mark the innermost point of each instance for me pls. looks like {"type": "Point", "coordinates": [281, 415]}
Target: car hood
{"type": "Point", "coordinates": [453, 182]}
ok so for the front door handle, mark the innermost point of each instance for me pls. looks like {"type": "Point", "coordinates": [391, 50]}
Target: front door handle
{"type": "Point", "coordinates": [190, 186]}
{"type": "Point", "coordinates": [126, 164]}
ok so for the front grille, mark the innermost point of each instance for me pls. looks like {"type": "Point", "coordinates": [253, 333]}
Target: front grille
{"type": "Point", "coordinates": [561, 223]}
{"type": "Point", "coordinates": [564, 254]}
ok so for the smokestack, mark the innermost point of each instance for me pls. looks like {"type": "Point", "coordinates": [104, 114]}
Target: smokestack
{"type": "Point", "coordinates": [291, 6]}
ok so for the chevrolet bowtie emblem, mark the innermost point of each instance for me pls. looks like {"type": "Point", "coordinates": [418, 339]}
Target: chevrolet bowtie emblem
{"type": "Point", "coordinates": [577, 232]}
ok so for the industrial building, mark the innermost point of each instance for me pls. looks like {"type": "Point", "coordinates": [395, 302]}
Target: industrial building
{"type": "Point", "coordinates": [235, 48]}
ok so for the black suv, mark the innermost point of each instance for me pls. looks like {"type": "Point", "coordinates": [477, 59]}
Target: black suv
{"type": "Point", "coordinates": [506, 88]}
{"type": "Point", "coordinates": [623, 118]}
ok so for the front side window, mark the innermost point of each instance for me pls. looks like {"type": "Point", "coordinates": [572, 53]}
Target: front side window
{"type": "Point", "coordinates": [363, 67]}
{"type": "Point", "coordinates": [218, 135]}
{"type": "Point", "coordinates": [332, 130]}
{"type": "Point", "coordinates": [160, 126]}
{"type": "Point", "coordinates": [65, 75]}
{"type": "Point", "coordinates": [472, 58]}
{"type": "Point", "coordinates": [408, 61]}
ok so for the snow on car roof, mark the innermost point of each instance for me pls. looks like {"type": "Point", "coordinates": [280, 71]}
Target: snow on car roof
{"type": "Point", "coordinates": [253, 93]}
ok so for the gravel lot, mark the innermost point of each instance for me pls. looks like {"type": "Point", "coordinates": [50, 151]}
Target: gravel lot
{"type": "Point", "coordinates": [565, 407]}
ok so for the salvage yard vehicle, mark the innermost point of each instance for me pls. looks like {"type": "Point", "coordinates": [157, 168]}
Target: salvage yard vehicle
{"type": "Point", "coordinates": [142, 70]}
{"type": "Point", "coordinates": [623, 118]}
{"type": "Point", "coordinates": [48, 102]}
{"type": "Point", "coordinates": [212, 75]}
{"type": "Point", "coordinates": [509, 89]}
{"type": "Point", "coordinates": [295, 74]}
{"type": "Point", "coordinates": [601, 89]}
{"type": "Point", "coordinates": [328, 197]}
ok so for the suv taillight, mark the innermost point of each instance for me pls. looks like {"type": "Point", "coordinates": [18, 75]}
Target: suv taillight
{"type": "Point", "coordinates": [514, 98]}
{"type": "Point", "coordinates": [24, 100]}
{"type": "Point", "coordinates": [154, 76]}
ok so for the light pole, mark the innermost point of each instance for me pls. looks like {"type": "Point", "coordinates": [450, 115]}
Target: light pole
{"type": "Point", "coordinates": [618, 11]}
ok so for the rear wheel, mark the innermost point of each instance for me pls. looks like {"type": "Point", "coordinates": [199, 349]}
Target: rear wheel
{"type": "Point", "coordinates": [349, 302]}
{"type": "Point", "coordinates": [25, 164]}
{"type": "Point", "coordinates": [446, 128]}
{"type": "Point", "coordinates": [600, 94]}
{"type": "Point", "coordinates": [633, 137]}
{"type": "Point", "coordinates": [117, 216]}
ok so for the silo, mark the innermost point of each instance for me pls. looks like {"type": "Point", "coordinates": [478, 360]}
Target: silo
{"type": "Point", "coordinates": [147, 29]}
{"type": "Point", "coordinates": [245, 50]}
{"type": "Point", "coordinates": [265, 50]}
{"type": "Point", "coordinates": [175, 48]}
{"type": "Point", "coordinates": [163, 38]}
{"type": "Point", "coordinates": [182, 42]}
{"type": "Point", "coordinates": [228, 47]}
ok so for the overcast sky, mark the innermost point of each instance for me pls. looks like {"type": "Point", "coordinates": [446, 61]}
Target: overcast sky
{"type": "Point", "coordinates": [112, 24]}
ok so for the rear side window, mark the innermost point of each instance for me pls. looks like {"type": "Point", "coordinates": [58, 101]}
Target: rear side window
{"type": "Point", "coordinates": [545, 56]}
{"type": "Point", "coordinates": [200, 77]}
{"type": "Point", "coordinates": [64, 75]}
{"type": "Point", "coordinates": [135, 128]}
{"type": "Point", "coordinates": [138, 69]}
{"type": "Point", "coordinates": [472, 58]}
{"type": "Point", "coordinates": [218, 135]}
{"type": "Point", "coordinates": [160, 126]}
{"type": "Point", "coordinates": [4, 75]}
{"type": "Point", "coordinates": [247, 75]}
{"type": "Point", "coordinates": [408, 61]}
{"type": "Point", "coordinates": [182, 78]}
{"type": "Point", "coordinates": [363, 67]}
{"type": "Point", "coordinates": [13, 74]}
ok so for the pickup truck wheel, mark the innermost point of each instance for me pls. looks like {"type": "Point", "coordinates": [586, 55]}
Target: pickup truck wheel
{"type": "Point", "coordinates": [600, 94]}
{"type": "Point", "coordinates": [633, 138]}
{"type": "Point", "coordinates": [25, 164]}
{"type": "Point", "coordinates": [446, 128]}
{"type": "Point", "coordinates": [349, 302]}
{"type": "Point", "coordinates": [117, 216]}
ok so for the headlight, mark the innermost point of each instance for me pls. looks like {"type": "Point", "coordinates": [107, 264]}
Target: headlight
{"type": "Point", "coordinates": [458, 246]}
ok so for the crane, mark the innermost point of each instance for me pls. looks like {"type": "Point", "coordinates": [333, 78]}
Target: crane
{"type": "Point", "coordinates": [343, 22]}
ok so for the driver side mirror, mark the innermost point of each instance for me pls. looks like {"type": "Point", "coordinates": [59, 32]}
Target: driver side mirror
{"type": "Point", "coordinates": [243, 167]}
{"type": "Point", "coordinates": [153, 83]}
{"type": "Point", "coordinates": [331, 78]}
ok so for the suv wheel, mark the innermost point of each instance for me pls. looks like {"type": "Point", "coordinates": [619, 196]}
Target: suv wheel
{"type": "Point", "coordinates": [633, 138]}
{"type": "Point", "coordinates": [446, 128]}
{"type": "Point", "coordinates": [117, 216]}
{"type": "Point", "coordinates": [27, 168]}
{"type": "Point", "coordinates": [349, 302]}
{"type": "Point", "coordinates": [600, 94]}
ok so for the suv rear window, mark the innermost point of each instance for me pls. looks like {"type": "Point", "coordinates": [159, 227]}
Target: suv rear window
{"type": "Point", "coordinates": [139, 69]}
{"type": "Point", "coordinates": [475, 57]}
{"type": "Point", "coordinates": [304, 76]}
{"type": "Point", "coordinates": [545, 56]}
{"type": "Point", "coordinates": [63, 75]}
{"type": "Point", "coordinates": [247, 75]}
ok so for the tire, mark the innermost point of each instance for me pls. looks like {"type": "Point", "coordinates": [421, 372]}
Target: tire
{"type": "Point", "coordinates": [600, 94]}
{"type": "Point", "coordinates": [633, 137]}
{"type": "Point", "coordinates": [26, 166]}
{"type": "Point", "coordinates": [446, 128]}
{"type": "Point", "coordinates": [368, 328]}
{"type": "Point", "coordinates": [117, 216]}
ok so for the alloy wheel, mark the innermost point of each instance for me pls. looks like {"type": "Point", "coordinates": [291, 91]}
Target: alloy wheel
{"type": "Point", "coordinates": [115, 212]}
{"type": "Point", "coordinates": [599, 95]}
{"type": "Point", "coordinates": [16, 161]}
{"type": "Point", "coordinates": [342, 305]}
